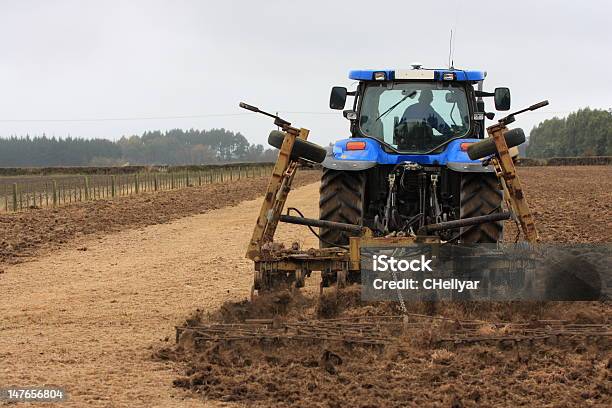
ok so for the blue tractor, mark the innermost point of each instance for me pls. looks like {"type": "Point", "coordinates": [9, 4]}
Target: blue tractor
{"type": "Point", "coordinates": [405, 164]}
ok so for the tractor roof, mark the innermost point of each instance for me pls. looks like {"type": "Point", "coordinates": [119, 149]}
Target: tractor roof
{"type": "Point", "coordinates": [417, 73]}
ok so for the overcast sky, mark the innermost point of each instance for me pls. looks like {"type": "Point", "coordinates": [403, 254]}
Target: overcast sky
{"type": "Point", "coordinates": [65, 61]}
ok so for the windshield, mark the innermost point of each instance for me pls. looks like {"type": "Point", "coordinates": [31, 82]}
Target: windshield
{"type": "Point", "coordinates": [414, 116]}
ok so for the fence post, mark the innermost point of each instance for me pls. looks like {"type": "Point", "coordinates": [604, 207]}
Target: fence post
{"type": "Point", "coordinates": [187, 178]}
{"type": "Point", "coordinates": [54, 187]}
{"type": "Point", "coordinates": [136, 184]}
{"type": "Point", "coordinates": [14, 196]}
{"type": "Point", "coordinates": [86, 188]}
{"type": "Point", "coordinates": [113, 185]}
{"type": "Point", "coordinates": [155, 182]}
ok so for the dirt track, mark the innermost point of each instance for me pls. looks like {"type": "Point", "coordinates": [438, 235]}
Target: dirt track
{"type": "Point", "coordinates": [29, 233]}
{"type": "Point", "coordinates": [87, 316]}
{"type": "Point", "coordinates": [86, 320]}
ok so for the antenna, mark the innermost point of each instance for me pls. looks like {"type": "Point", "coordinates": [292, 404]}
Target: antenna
{"type": "Point", "coordinates": [450, 50]}
{"type": "Point", "coordinates": [453, 55]}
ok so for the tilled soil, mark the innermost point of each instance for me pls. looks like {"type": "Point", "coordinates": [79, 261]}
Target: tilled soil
{"type": "Point", "coordinates": [569, 203]}
{"type": "Point", "coordinates": [412, 371]}
{"type": "Point", "coordinates": [25, 234]}
{"type": "Point", "coordinates": [572, 204]}
{"type": "Point", "coordinates": [88, 314]}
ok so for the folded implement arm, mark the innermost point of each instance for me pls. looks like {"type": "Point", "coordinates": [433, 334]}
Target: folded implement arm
{"type": "Point", "coordinates": [497, 146]}
{"type": "Point", "coordinates": [276, 194]}
{"type": "Point", "coordinates": [511, 184]}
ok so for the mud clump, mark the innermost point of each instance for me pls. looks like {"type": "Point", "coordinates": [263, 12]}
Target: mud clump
{"type": "Point", "coordinates": [264, 306]}
{"type": "Point", "coordinates": [334, 302]}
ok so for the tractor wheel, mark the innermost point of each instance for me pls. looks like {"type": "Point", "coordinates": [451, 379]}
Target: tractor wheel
{"type": "Point", "coordinates": [341, 200]}
{"type": "Point", "coordinates": [487, 147]}
{"type": "Point", "coordinates": [302, 149]}
{"type": "Point", "coordinates": [481, 195]}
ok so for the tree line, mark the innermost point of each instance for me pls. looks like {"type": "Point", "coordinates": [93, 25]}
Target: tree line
{"type": "Point", "coordinates": [586, 132]}
{"type": "Point", "coordinates": [173, 147]}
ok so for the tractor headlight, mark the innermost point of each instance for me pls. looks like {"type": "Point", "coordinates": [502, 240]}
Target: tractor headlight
{"type": "Point", "coordinates": [380, 76]}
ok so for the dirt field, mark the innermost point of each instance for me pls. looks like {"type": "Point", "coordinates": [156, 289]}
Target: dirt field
{"type": "Point", "coordinates": [28, 233]}
{"type": "Point", "coordinates": [412, 371]}
{"type": "Point", "coordinates": [570, 204]}
{"type": "Point", "coordinates": [93, 309]}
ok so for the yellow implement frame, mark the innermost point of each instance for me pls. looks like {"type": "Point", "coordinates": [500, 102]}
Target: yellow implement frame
{"type": "Point", "coordinates": [276, 194]}
{"type": "Point", "coordinates": [513, 190]}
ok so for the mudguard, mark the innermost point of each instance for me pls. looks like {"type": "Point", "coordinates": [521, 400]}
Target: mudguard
{"type": "Point", "coordinates": [340, 158]}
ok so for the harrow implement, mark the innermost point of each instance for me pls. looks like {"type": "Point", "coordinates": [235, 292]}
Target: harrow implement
{"type": "Point", "coordinates": [382, 331]}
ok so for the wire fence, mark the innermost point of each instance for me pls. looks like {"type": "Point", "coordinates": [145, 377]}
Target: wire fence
{"type": "Point", "coordinates": [566, 161]}
{"type": "Point", "coordinates": [18, 193]}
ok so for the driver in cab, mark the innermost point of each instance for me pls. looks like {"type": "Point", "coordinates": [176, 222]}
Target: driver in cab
{"type": "Point", "coordinates": [422, 111]}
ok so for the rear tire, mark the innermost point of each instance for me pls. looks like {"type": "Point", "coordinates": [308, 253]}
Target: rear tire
{"type": "Point", "coordinates": [341, 200]}
{"type": "Point", "coordinates": [302, 149]}
{"type": "Point", "coordinates": [487, 147]}
{"type": "Point", "coordinates": [481, 195]}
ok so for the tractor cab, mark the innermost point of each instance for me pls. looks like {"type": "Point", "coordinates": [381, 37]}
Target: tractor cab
{"type": "Point", "coordinates": [414, 112]}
